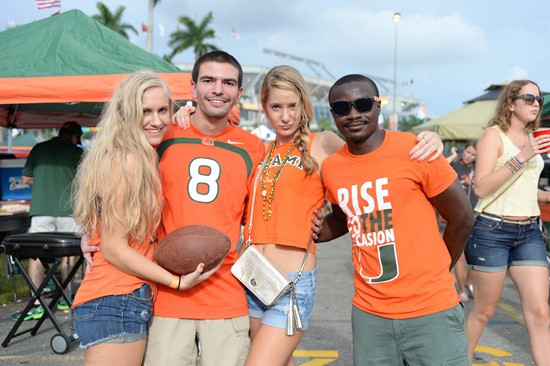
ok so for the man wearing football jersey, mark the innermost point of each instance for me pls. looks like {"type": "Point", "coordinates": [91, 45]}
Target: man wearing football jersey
{"type": "Point", "coordinates": [405, 309]}
{"type": "Point", "coordinates": [205, 171]}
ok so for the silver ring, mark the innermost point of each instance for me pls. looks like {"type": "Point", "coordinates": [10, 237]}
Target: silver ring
{"type": "Point", "coordinates": [425, 139]}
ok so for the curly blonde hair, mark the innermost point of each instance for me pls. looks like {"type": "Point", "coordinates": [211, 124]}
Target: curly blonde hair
{"type": "Point", "coordinates": [288, 78]}
{"type": "Point", "coordinates": [122, 162]}
{"type": "Point", "coordinates": [503, 113]}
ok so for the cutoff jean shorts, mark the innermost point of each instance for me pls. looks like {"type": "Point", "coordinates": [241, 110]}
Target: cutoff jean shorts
{"type": "Point", "coordinates": [494, 246]}
{"type": "Point", "coordinates": [114, 319]}
{"type": "Point", "coordinates": [276, 315]}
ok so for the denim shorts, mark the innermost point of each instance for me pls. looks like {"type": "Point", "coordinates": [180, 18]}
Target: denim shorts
{"type": "Point", "coordinates": [114, 319]}
{"type": "Point", "coordinates": [276, 315]}
{"type": "Point", "coordinates": [494, 246]}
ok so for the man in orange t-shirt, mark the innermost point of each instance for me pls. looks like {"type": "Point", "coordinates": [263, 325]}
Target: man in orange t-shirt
{"type": "Point", "coordinates": [405, 308]}
{"type": "Point", "coordinates": [205, 172]}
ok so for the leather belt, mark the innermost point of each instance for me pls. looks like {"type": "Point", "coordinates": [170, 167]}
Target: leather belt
{"type": "Point", "coordinates": [529, 221]}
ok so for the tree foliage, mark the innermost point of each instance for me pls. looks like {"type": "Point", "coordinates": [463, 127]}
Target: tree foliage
{"type": "Point", "coordinates": [325, 124]}
{"type": "Point", "coordinates": [407, 123]}
{"type": "Point", "coordinates": [193, 36]}
{"type": "Point", "coordinates": [112, 20]}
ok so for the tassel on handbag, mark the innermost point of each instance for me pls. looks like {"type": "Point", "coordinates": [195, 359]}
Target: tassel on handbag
{"type": "Point", "coordinates": [290, 325]}
{"type": "Point", "coordinates": [296, 312]}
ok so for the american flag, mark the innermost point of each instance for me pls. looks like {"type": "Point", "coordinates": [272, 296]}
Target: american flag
{"type": "Point", "coordinates": [46, 4]}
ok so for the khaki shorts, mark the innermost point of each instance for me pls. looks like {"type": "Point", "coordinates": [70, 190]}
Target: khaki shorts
{"type": "Point", "coordinates": [53, 223]}
{"type": "Point", "coordinates": [221, 342]}
{"type": "Point", "coordinates": [435, 339]}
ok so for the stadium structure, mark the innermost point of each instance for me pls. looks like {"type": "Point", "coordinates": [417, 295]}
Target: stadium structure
{"type": "Point", "coordinates": [251, 112]}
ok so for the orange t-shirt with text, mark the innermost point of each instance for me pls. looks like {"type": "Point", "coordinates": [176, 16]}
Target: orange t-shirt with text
{"type": "Point", "coordinates": [205, 181]}
{"type": "Point", "coordinates": [400, 259]}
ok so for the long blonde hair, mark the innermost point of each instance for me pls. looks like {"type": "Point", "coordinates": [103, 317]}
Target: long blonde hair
{"type": "Point", "coordinates": [503, 113]}
{"type": "Point", "coordinates": [288, 78]}
{"type": "Point", "coordinates": [121, 156]}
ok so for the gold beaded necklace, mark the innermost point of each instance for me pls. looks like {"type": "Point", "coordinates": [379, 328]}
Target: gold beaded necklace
{"type": "Point", "coordinates": [268, 199]}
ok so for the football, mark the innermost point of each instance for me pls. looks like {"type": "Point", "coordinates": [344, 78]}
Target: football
{"type": "Point", "coordinates": [183, 249]}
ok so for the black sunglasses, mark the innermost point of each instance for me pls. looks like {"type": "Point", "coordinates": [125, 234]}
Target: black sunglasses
{"type": "Point", "coordinates": [341, 108]}
{"type": "Point", "coordinates": [530, 98]}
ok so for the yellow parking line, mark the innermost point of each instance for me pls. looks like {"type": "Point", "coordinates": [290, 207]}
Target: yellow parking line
{"type": "Point", "coordinates": [492, 351]}
{"type": "Point", "coordinates": [319, 362]}
{"type": "Point", "coordinates": [315, 353]}
{"type": "Point", "coordinates": [511, 311]}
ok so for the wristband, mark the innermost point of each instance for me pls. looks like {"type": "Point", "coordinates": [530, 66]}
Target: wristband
{"type": "Point", "coordinates": [514, 163]}
{"type": "Point", "coordinates": [511, 167]}
{"type": "Point", "coordinates": [175, 284]}
{"type": "Point", "coordinates": [517, 161]}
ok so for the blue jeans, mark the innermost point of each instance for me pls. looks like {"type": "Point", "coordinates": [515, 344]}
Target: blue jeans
{"type": "Point", "coordinates": [276, 315]}
{"type": "Point", "coordinates": [494, 246]}
{"type": "Point", "coordinates": [114, 319]}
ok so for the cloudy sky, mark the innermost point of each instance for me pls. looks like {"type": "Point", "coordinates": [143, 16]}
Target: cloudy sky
{"type": "Point", "coordinates": [450, 50]}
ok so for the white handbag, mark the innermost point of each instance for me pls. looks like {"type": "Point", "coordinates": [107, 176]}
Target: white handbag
{"type": "Point", "coordinates": [261, 277]}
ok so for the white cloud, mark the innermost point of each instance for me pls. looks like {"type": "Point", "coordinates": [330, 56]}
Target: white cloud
{"type": "Point", "coordinates": [517, 72]}
{"type": "Point", "coordinates": [348, 39]}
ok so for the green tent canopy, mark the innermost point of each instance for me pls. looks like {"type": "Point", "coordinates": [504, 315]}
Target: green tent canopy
{"type": "Point", "coordinates": [468, 121]}
{"type": "Point", "coordinates": [65, 67]}
{"type": "Point", "coordinates": [464, 123]}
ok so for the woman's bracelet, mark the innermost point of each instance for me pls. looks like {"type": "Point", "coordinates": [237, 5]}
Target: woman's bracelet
{"type": "Point", "coordinates": [511, 165]}
{"type": "Point", "coordinates": [175, 284]}
{"type": "Point", "coordinates": [517, 160]}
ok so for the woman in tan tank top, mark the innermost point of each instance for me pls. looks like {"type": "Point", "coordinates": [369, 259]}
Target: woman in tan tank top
{"type": "Point", "coordinates": [506, 234]}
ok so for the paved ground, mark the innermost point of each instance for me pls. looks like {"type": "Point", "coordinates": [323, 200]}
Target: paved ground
{"type": "Point", "coordinates": [327, 342]}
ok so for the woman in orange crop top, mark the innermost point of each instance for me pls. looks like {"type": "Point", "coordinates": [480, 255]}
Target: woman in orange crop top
{"type": "Point", "coordinates": [506, 234]}
{"type": "Point", "coordinates": [289, 192]}
{"type": "Point", "coordinates": [118, 201]}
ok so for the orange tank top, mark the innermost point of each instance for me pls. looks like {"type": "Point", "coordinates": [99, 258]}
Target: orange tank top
{"type": "Point", "coordinates": [106, 280]}
{"type": "Point", "coordinates": [297, 195]}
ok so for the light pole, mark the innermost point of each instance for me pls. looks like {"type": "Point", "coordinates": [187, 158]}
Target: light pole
{"type": "Point", "coordinates": [394, 119]}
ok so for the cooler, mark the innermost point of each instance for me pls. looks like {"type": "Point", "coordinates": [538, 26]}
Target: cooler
{"type": "Point", "coordinates": [11, 180]}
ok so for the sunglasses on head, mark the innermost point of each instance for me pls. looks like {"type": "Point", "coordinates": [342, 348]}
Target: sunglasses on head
{"type": "Point", "coordinates": [530, 98]}
{"type": "Point", "coordinates": [341, 108]}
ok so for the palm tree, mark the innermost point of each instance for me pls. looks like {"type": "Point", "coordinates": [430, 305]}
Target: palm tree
{"type": "Point", "coordinates": [113, 21]}
{"type": "Point", "coordinates": [194, 36]}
